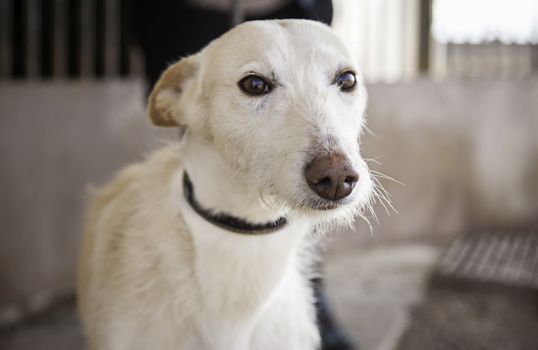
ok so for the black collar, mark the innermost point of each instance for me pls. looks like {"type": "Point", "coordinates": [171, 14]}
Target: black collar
{"type": "Point", "coordinates": [228, 222]}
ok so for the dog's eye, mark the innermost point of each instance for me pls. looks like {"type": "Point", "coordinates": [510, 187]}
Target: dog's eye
{"type": "Point", "coordinates": [346, 81]}
{"type": "Point", "coordinates": [254, 85]}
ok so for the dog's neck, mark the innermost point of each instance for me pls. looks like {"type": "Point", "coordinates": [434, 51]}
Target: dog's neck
{"type": "Point", "coordinates": [245, 272]}
{"type": "Point", "coordinates": [222, 190]}
{"type": "Point", "coordinates": [228, 222]}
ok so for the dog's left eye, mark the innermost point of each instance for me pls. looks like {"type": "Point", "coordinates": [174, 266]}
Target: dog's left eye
{"type": "Point", "coordinates": [254, 85]}
{"type": "Point", "coordinates": [346, 81]}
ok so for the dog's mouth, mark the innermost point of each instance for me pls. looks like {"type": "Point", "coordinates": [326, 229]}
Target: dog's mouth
{"type": "Point", "coordinates": [319, 204]}
{"type": "Point", "coordinates": [324, 206]}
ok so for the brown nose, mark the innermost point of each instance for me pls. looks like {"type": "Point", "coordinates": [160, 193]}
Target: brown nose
{"type": "Point", "coordinates": [331, 177]}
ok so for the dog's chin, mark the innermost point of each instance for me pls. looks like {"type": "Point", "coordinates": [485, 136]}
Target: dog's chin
{"type": "Point", "coordinates": [322, 206]}
{"type": "Point", "coordinates": [317, 207]}
{"type": "Point", "coordinates": [307, 204]}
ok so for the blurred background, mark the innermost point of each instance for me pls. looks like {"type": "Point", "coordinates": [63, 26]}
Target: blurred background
{"type": "Point", "coordinates": [453, 119]}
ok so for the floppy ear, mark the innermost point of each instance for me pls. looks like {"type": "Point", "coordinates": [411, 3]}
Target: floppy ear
{"type": "Point", "coordinates": [164, 107]}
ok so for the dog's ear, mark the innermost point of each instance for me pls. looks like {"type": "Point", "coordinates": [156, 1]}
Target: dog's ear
{"type": "Point", "coordinates": [164, 107]}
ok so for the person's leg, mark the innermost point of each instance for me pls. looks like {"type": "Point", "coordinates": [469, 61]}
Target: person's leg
{"type": "Point", "coordinates": [332, 336]}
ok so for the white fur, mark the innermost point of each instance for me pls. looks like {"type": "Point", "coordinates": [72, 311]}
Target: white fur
{"type": "Point", "coordinates": [153, 273]}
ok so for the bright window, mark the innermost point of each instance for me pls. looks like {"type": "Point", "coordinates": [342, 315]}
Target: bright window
{"type": "Point", "coordinates": [478, 21]}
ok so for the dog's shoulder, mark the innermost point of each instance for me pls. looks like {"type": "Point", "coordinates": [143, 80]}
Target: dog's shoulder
{"type": "Point", "coordinates": [156, 170]}
{"type": "Point", "coordinates": [130, 226]}
{"type": "Point", "coordinates": [140, 189]}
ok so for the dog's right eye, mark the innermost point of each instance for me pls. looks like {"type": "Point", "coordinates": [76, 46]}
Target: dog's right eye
{"type": "Point", "coordinates": [254, 85]}
{"type": "Point", "coordinates": [346, 81]}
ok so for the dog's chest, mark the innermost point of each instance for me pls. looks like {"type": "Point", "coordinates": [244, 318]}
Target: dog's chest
{"type": "Point", "coordinates": [241, 277]}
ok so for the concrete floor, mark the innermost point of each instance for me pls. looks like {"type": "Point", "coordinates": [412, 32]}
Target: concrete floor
{"type": "Point", "coordinates": [473, 315]}
{"type": "Point", "coordinates": [56, 329]}
{"type": "Point", "coordinates": [372, 288]}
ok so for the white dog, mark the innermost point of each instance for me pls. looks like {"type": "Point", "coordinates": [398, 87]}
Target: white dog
{"type": "Point", "coordinates": [204, 244]}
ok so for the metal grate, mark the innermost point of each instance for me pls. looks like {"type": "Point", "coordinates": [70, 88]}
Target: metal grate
{"type": "Point", "coordinates": [503, 258]}
{"type": "Point", "coordinates": [67, 38]}
{"type": "Point", "coordinates": [490, 60]}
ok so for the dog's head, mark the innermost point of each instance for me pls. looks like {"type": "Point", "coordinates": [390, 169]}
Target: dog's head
{"type": "Point", "coordinates": [283, 103]}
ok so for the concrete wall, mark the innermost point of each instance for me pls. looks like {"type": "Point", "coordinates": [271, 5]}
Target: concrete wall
{"type": "Point", "coordinates": [467, 152]}
{"type": "Point", "coordinates": [55, 140]}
